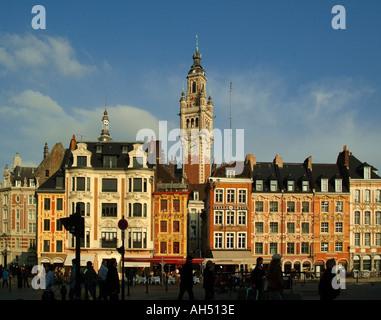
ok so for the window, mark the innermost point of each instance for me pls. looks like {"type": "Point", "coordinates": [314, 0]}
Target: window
{"type": "Point", "coordinates": [305, 227]}
{"type": "Point", "coordinates": [338, 246]}
{"type": "Point", "coordinates": [377, 196]}
{"type": "Point", "coordinates": [324, 227]}
{"type": "Point", "coordinates": [259, 227]}
{"type": "Point", "coordinates": [305, 186]}
{"type": "Point", "coordinates": [81, 161]}
{"type": "Point", "coordinates": [59, 226]}
{"type": "Point", "coordinates": [259, 248]}
{"type": "Point", "coordinates": [137, 162]}
{"type": "Point", "coordinates": [305, 207]}
{"type": "Point", "coordinates": [324, 206]}
{"type": "Point", "coordinates": [291, 206]}
{"type": "Point", "coordinates": [338, 185]}
{"type": "Point", "coordinates": [46, 245]}
{"type": "Point", "coordinates": [163, 226]}
{"type": "Point", "coordinates": [176, 205]}
{"type": "Point", "coordinates": [273, 185]}
{"type": "Point", "coordinates": [357, 195]}
{"type": "Point", "coordinates": [339, 206]}
{"type": "Point", "coordinates": [339, 227]}
{"type": "Point", "coordinates": [324, 247]}
{"type": "Point", "coordinates": [230, 195]}
{"type": "Point", "coordinates": [163, 247]}
{"type": "Point", "coordinates": [137, 210]}
{"type": "Point", "coordinates": [357, 217]}
{"type": "Point", "coordinates": [273, 247]}
{"type": "Point", "coordinates": [273, 227]}
{"type": "Point", "coordinates": [109, 210]}
{"type": "Point", "coordinates": [59, 204]}
{"type": "Point", "coordinates": [367, 218]}
{"type": "Point", "coordinates": [109, 239]}
{"type": "Point", "coordinates": [367, 195]}
{"type": "Point", "coordinates": [378, 239]}
{"type": "Point", "coordinates": [290, 227]}
{"type": "Point", "coordinates": [242, 218]}
{"type": "Point", "coordinates": [290, 248]}
{"type": "Point", "coordinates": [229, 240]}
{"type": "Point", "coordinates": [230, 218]}
{"type": "Point", "coordinates": [137, 185]}
{"type": "Point", "coordinates": [230, 173]}
{"type": "Point", "coordinates": [139, 240]}
{"type": "Point", "coordinates": [109, 185]}
{"type": "Point", "coordinates": [163, 205]}
{"type": "Point", "coordinates": [31, 199]}
{"type": "Point", "coordinates": [241, 196]}
{"type": "Point", "coordinates": [59, 246]}
{"type": "Point", "coordinates": [357, 239]}
{"type": "Point", "coordinates": [305, 248]}
{"type": "Point", "coordinates": [259, 206]}
{"type": "Point", "coordinates": [46, 224]}
{"type": "Point", "coordinates": [176, 226]}
{"type": "Point", "coordinates": [290, 185]}
{"type": "Point", "coordinates": [324, 185]}
{"type": "Point", "coordinates": [273, 206]}
{"type": "Point", "coordinates": [259, 185]}
{"type": "Point", "coordinates": [46, 204]}
{"type": "Point", "coordinates": [241, 237]}
{"type": "Point", "coordinates": [378, 217]}
{"type": "Point", "coordinates": [81, 184]}
{"type": "Point", "coordinates": [367, 239]}
{"type": "Point", "coordinates": [219, 195]}
{"type": "Point", "coordinates": [109, 161]}
{"type": "Point", "coordinates": [176, 247]}
{"type": "Point", "coordinates": [218, 240]}
{"type": "Point", "coordinates": [218, 217]}
{"type": "Point", "coordinates": [366, 172]}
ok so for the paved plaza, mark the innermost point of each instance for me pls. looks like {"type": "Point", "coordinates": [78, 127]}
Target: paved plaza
{"type": "Point", "coordinates": [362, 289]}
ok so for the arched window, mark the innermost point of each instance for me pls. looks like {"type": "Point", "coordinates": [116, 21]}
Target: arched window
{"type": "Point", "coordinates": [196, 122]}
{"type": "Point", "coordinates": [192, 123]}
{"type": "Point", "coordinates": [187, 124]}
{"type": "Point", "coordinates": [194, 87]}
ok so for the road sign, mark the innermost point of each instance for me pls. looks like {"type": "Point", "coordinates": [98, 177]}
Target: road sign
{"type": "Point", "coordinates": [122, 224]}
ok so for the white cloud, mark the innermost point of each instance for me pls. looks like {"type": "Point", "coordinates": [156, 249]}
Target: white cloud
{"type": "Point", "coordinates": [30, 52]}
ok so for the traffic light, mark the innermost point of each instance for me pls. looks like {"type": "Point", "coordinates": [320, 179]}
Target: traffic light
{"type": "Point", "coordinates": [75, 224]}
{"type": "Point", "coordinates": [121, 250]}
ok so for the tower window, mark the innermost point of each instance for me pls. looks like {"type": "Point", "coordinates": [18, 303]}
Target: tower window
{"type": "Point", "coordinates": [194, 87]}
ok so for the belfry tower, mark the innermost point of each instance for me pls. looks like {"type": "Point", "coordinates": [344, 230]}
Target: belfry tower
{"type": "Point", "coordinates": [196, 122]}
{"type": "Point", "coordinates": [105, 134]}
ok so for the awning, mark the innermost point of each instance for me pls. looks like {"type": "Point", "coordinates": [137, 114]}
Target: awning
{"type": "Point", "coordinates": [84, 259]}
{"type": "Point", "coordinates": [164, 260]}
{"type": "Point", "coordinates": [232, 257]}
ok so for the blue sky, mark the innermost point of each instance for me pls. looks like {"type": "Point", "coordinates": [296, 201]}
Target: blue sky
{"type": "Point", "coordinates": [300, 88]}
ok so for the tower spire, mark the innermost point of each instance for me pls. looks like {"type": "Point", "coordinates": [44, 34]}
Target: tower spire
{"type": "Point", "coordinates": [105, 134]}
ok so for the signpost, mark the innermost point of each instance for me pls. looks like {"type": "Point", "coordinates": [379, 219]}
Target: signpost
{"type": "Point", "coordinates": [122, 225]}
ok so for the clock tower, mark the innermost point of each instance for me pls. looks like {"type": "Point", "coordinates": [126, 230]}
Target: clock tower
{"type": "Point", "coordinates": [196, 122]}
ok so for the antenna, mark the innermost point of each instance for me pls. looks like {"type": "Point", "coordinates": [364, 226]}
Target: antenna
{"type": "Point", "coordinates": [230, 118]}
{"type": "Point", "coordinates": [196, 42]}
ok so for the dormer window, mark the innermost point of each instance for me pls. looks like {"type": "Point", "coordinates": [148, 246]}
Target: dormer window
{"type": "Point", "coordinates": [324, 185]}
{"type": "Point", "coordinates": [195, 195]}
{"type": "Point", "coordinates": [81, 161]}
{"type": "Point", "coordinates": [125, 149]}
{"type": "Point", "coordinates": [109, 161]}
{"type": "Point", "coordinates": [305, 186]}
{"type": "Point", "coordinates": [290, 185]}
{"type": "Point", "coordinates": [366, 172]}
{"type": "Point", "coordinates": [338, 185]}
{"type": "Point", "coordinates": [230, 173]}
{"type": "Point", "coordinates": [99, 149]}
{"type": "Point", "coordinates": [259, 185]}
{"type": "Point", "coordinates": [273, 185]}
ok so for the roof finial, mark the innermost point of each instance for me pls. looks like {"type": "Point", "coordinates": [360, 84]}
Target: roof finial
{"type": "Point", "coordinates": [196, 43]}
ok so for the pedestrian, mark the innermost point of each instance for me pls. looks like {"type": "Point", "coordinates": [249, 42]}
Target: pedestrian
{"type": "Point", "coordinates": [257, 278]}
{"type": "Point", "coordinates": [102, 274]}
{"type": "Point", "coordinates": [5, 277]}
{"type": "Point", "coordinates": [208, 281]}
{"type": "Point", "coordinates": [326, 288]}
{"type": "Point", "coordinates": [275, 283]}
{"type": "Point", "coordinates": [73, 295]}
{"type": "Point", "coordinates": [25, 276]}
{"type": "Point", "coordinates": [186, 279]}
{"type": "Point", "coordinates": [48, 292]}
{"type": "Point", "coordinates": [90, 281]}
{"type": "Point", "coordinates": [112, 280]}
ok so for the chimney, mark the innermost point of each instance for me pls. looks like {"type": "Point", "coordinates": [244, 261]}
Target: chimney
{"type": "Point", "coordinates": [46, 150]}
{"type": "Point", "coordinates": [343, 157]}
{"type": "Point", "coordinates": [308, 163]}
{"type": "Point", "coordinates": [73, 143]}
{"type": "Point", "coordinates": [278, 161]}
{"type": "Point", "coordinates": [252, 160]}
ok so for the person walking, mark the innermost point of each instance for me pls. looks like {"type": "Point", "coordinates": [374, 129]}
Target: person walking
{"type": "Point", "coordinates": [275, 283]}
{"type": "Point", "coordinates": [50, 281]}
{"type": "Point", "coordinates": [325, 287]}
{"type": "Point", "coordinates": [208, 281]}
{"type": "Point", "coordinates": [102, 274]}
{"type": "Point", "coordinates": [5, 277]}
{"type": "Point", "coordinates": [90, 281]}
{"type": "Point", "coordinates": [256, 277]}
{"type": "Point", "coordinates": [72, 282]}
{"type": "Point", "coordinates": [186, 279]}
{"type": "Point", "coordinates": [112, 281]}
